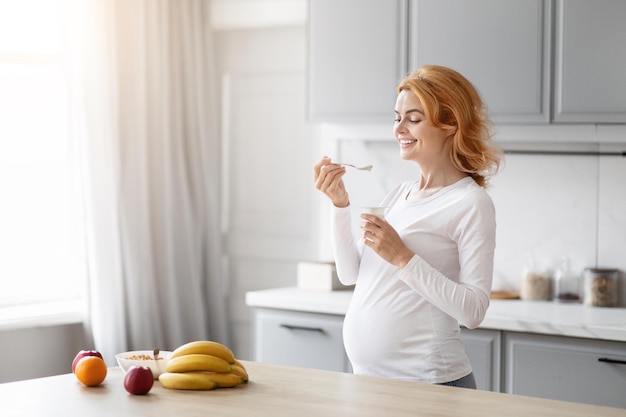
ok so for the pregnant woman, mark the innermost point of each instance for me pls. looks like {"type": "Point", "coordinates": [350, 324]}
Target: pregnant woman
{"type": "Point", "coordinates": [427, 267]}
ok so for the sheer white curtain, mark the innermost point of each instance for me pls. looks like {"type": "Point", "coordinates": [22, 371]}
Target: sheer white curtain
{"type": "Point", "coordinates": [151, 163]}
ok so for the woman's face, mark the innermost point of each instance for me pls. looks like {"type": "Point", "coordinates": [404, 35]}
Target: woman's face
{"type": "Point", "coordinates": [418, 139]}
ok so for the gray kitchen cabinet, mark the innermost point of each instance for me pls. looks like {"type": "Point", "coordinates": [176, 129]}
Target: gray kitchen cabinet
{"type": "Point", "coordinates": [315, 340]}
{"type": "Point", "coordinates": [514, 351]}
{"type": "Point", "coordinates": [533, 61]}
{"type": "Point", "coordinates": [565, 368]}
{"type": "Point", "coordinates": [356, 58]}
{"type": "Point", "coordinates": [302, 339]}
{"type": "Point", "coordinates": [483, 347]}
{"type": "Point", "coordinates": [590, 61]}
{"type": "Point", "coordinates": [502, 47]}
{"type": "Point", "coordinates": [355, 64]}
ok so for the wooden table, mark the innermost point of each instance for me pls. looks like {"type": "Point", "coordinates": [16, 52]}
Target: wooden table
{"type": "Point", "coordinates": [278, 391]}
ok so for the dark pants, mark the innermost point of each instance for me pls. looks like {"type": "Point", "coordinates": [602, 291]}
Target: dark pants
{"type": "Point", "coordinates": [467, 381]}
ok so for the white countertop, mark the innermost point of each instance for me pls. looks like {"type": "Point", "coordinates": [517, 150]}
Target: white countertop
{"type": "Point", "coordinates": [544, 317]}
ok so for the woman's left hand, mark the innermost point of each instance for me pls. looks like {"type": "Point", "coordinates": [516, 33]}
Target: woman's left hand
{"type": "Point", "coordinates": [385, 241]}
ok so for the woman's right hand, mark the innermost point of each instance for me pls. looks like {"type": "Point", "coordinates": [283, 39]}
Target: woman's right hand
{"type": "Point", "coordinates": [328, 179]}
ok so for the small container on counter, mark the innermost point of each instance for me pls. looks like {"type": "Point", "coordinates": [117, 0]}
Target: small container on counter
{"type": "Point", "coordinates": [566, 287]}
{"type": "Point", "coordinates": [601, 287]}
{"type": "Point", "coordinates": [535, 283]}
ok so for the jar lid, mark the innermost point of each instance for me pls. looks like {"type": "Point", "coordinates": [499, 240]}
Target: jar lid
{"type": "Point", "coordinates": [602, 270]}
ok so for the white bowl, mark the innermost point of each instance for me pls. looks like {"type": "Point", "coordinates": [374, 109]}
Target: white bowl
{"type": "Point", "coordinates": [143, 358]}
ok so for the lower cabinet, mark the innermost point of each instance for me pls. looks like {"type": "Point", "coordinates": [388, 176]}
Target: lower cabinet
{"type": "Point", "coordinates": [483, 347]}
{"type": "Point", "coordinates": [313, 340]}
{"type": "Point", "coordinates": [555, 367]}
{"type": "Point", "coordinates": [294, 338]}
{"type": "Point", "coordinates": [566, 368]}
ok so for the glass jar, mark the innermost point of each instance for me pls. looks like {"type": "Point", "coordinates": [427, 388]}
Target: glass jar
{"type": "Point", "coordinates": [535, 286]}
{"type": "Point", "coordinates": [566, 284]}
{"type": "Point", "coordinates": [601, 287]}
{"type": "Point", "coordinates": [535, 283]}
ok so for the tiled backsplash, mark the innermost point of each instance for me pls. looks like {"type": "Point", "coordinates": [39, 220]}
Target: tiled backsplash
{"type": "Point", "coordinates": [549, 206]}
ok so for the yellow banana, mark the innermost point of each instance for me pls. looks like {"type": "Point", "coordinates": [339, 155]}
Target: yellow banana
{"type": "Point", "coordinates": [225, 380]}
{"type": "Point", "coordinates": [206, 347]}
{"type": "Point", "coordinates": [198, 362]}
{"type": "Point", "coordinates": [240, 371]}
{"type": "Point", "coordinates": [187, 380]}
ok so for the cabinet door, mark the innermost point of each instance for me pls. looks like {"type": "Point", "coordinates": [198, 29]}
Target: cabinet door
{"type": "Point", "coordinates": [590, 61]}
{"type": "Point", "coordinates": [566, 368]}
{"type": "Point", "coordinates": [357, 56]}
{"type": "Point", "coordinates": [502, 47]}
{"type": "Point", "coordinates": [483, 349]}
{"type": "Point", "coordinates": [299, 339]}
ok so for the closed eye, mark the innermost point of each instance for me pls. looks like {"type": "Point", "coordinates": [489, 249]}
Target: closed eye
{"type": "Point", "coordinates": [412, 112]}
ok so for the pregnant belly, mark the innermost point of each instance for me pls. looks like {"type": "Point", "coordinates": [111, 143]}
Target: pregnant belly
{"type": "Point", "coordinates": [408, 338]}
{"type": "Point", "coordinates": [383, 336]}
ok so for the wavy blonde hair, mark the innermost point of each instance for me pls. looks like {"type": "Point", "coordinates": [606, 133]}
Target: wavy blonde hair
{"type": "Point", "coordinates": [451, 101]}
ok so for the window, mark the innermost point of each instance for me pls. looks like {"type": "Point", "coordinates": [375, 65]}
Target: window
{"type": "Point", "coordinates": [38, 220]}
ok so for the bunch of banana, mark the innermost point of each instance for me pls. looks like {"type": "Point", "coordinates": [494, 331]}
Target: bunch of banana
{"type": "Point", "coordinates": [203, 365]}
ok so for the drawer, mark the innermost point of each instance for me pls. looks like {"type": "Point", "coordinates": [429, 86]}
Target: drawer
{"type": "Point", "coordinates": [569, 369]}
{"type": "Point", "coordinates": [299, 339]}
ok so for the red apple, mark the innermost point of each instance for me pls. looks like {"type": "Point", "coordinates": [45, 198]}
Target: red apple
{"type": "Point", "coordinates": [138, 380]}
{"type": "Point", "coordinates": [82, 354]}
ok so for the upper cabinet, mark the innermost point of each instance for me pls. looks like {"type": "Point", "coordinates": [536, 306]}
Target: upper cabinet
{"type": "Point", "coordinates": [356, 57]}
{"type": "Point", "coordinates": [533, 61]}
{"type": "Point", "coordinates": [501, 46]}
{"type": "Point", "coordinates": [590, 61]}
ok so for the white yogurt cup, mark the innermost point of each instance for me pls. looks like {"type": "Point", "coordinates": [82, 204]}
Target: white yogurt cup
{"type": "Point", "coordinates": [376, 211]}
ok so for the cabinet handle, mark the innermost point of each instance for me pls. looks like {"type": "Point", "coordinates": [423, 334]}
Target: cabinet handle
{"type": "Point", "coordinates": [609, 360]}
{"type": "Point", "coordinates": [309, 329]}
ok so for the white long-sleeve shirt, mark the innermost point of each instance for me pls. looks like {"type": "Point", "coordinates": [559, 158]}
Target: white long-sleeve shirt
{"type": "Point", "coordinates": [404, 323]}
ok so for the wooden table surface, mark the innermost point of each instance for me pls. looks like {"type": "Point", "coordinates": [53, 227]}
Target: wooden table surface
{"type": "Point", "coordinates": [278, 391]}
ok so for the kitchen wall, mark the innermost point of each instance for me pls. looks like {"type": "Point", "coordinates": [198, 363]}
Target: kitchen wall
{"type": "Point", "coordinates": [552, 206]}
{"type": "Point", "coordinates": [36, 351]}
{"type": "Point", "coordinates": [268, 153]}
{"type": "Point", "coordinates": [548, 207]}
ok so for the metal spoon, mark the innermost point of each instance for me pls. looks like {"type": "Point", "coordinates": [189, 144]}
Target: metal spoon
{"type": "Point", "coordinates": [363, 168]}
{"type": "Point", "coordinates": [156, 353]}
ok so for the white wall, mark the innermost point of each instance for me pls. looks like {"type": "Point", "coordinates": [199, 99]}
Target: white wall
{"type": "Point", "coordinates": [550, 206]}
{"type": "Point", "coordinates": [40, 351]}
{"type": "Point", "coordinates": [267, 162]}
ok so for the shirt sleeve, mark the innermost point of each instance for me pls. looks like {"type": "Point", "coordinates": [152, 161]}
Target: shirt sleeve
{"type": "Point", "coordinates": [468, 299]}
{"type": "Point", "coordinates": [346, 249]}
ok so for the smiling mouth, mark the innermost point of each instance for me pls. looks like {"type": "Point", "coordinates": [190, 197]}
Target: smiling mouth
{"type": "Point", "coordinates": [407, 142]}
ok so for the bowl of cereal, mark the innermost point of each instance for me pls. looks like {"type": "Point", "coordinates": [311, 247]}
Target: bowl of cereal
{"type": "Point", "coordinates": [144, 358]}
